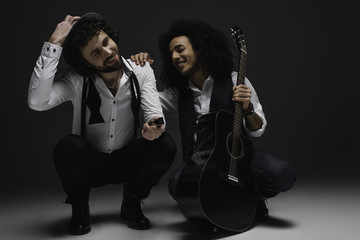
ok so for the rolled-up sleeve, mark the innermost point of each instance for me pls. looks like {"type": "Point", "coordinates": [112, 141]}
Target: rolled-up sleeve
{"type": "Point", "coordinates": [257, 107]}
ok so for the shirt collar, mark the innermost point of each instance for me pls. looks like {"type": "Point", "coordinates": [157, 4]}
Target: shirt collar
{"type": "Point", "coordinates": [193, 87]}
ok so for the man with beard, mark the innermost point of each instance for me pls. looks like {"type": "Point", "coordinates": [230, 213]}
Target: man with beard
{"type": "Point", "coordinates": [106, 92]}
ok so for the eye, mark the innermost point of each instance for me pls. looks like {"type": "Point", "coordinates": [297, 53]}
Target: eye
{"type": "Point", "coordinates": [180, 50]}
{"type": "Point", "coordinates": [96, 53]}
{"type": "Point", "coordinates": [106, 41]}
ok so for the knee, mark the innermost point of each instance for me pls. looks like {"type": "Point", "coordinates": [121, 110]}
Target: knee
{"type": "Point", "coordinates": [168, 145]}
{"type": "Point", "coordinates": [67, 145]}
{"type": "Point", "coordinates": [284, 176]}
{"type": "Point", "coordinates": [279, 173]}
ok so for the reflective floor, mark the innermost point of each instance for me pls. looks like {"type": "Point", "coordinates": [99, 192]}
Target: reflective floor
{"type": "Point", "coordinates": [308, 211]}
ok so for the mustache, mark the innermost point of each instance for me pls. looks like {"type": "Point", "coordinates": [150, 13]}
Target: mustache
{"type": "Point", "coordinates": [109, 58]}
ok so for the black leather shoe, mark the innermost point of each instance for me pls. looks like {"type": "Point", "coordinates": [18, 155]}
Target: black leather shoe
{"type": "Point", "coordinates": [79, 223]}
{"type": "Point", "coordinates": [262, 212]}
{"type": "Point", "coordinates": [131, 213]}
{"type": "Point", "coordinates": [78, 229]}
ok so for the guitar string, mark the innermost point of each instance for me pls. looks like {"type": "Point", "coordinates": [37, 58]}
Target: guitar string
{"type": "Point", "coordinates": [238, 117]}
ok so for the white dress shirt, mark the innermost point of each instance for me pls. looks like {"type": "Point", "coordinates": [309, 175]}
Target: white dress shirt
{"type": "Point", "coordinates": [169, 101]}
{"type": "Point", "coordinates": [46, 92]}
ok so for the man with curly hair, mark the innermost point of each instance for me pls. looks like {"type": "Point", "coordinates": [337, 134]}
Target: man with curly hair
{"type": "Point", "coordinates": [198, 77]}
{"type": "Point", "coordinates": [106, 92]}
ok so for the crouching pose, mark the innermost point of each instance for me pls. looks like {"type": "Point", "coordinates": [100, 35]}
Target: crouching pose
{"type": "Point", "coordinates": [107, 93]}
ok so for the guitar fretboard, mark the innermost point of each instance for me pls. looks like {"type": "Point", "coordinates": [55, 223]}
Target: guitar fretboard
{"type": "Point", "coordinates": [238, 115]}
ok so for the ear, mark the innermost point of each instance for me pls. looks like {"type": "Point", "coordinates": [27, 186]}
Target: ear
{"type": "Point", "coordinates": [87, 63]}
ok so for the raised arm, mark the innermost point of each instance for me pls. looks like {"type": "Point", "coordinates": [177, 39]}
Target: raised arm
{"type": "Point", "coordinates": [45, 93]}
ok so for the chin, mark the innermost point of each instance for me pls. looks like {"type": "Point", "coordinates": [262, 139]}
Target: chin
{"type": "Point", "coordinates": [184, 73]}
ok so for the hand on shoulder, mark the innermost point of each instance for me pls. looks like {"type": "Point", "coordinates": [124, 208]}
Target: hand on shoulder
{"type": "Point", "coordinates": [141, 58]}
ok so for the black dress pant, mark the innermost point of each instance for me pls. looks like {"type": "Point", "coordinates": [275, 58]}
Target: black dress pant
{"type": "Point", "coordinates": [140, 164]}
{"type": "Point", "coordinates": [271, 174]}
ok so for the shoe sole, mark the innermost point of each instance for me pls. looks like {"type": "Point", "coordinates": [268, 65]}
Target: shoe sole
{"type": "Point", "coordinates": [124, 218]}
{"type": "Point", "coordinates": [136, 227]}
{"type": "Point", "coordinates": [82, 232]}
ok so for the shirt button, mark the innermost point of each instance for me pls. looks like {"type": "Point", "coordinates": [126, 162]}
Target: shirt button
{"type": "Point", "coordinates": [47, 49]}
{"type": "Point", "coordinates": [112, 119]}
{"type": "Point", "coordinates": [54, 50]}
{"type": "Point", "coordinates": [114, 102]}
{"type": "Point", "coordinates": [111, 136]}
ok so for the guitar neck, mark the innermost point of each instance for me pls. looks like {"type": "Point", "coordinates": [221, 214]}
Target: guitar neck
{"type": "Point", "coordinates": [242, 67]}
{"type": "Point", "coordinates": [238, 114]}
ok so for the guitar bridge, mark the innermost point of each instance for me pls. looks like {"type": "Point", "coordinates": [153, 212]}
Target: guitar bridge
{"type": "Point", "coordinates": [232, 178]}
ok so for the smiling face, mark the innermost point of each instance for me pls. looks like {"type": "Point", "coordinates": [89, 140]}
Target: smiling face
{"type": "Point", "coordinates": [102, 53]}
{"type": "Point", "coordinates": [183, 56]}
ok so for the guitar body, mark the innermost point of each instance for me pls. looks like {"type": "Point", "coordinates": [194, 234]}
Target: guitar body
{"type": "Point", "coordinates": [210, 199]}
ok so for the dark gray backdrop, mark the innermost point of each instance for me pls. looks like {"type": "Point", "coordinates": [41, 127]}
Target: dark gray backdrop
{"type": "Point", "coordinates": [302, 59]}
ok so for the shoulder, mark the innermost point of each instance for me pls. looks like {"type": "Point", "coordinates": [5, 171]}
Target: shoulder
{"type": "Point", "coordinates": [140, 69]}
{"type": "Point", "coordinates": [144, 74]}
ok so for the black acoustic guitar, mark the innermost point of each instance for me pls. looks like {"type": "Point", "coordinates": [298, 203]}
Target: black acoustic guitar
{"type": "Point", "coordinates": [223, 194]}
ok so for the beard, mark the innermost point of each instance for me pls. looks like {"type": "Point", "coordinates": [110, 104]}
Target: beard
{"type": "Point", "coordinates": [108, 69]}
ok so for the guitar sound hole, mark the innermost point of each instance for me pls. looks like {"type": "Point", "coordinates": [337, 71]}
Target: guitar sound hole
{"type": "Point", "coordinates": [234, 146]}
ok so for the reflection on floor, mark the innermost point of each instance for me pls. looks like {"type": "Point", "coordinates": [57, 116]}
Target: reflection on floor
{"type": "Point", "coordinates": [306, 212]}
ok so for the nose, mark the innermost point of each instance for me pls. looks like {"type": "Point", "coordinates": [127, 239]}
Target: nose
{"type": "Point", "coordinates": [175, 55]}
{"type": "Point", "coordinates": [107, 51]}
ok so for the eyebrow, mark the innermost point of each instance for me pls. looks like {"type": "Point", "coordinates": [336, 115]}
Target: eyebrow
{"type": "Point", "coordinates": [177, 46]}
{"type": "Point", "coordinates": [92, 53]}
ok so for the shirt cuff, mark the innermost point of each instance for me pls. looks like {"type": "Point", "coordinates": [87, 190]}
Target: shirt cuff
{"type": "Point", "coordinates": [51, 50]}
{"type": "Point", "coordinates": [158, 115]}
{"type": "Point", "coordinates": [258, 132]}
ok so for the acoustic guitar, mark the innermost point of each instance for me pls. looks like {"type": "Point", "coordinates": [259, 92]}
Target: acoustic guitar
{"type": "Point", "coordinates": [223, 195]}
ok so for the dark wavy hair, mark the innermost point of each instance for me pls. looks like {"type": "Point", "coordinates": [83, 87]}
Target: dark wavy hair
{"type": "Point", "coordinates": [212, 48]}
{"type": "Point", "coordinates": [81, 37]}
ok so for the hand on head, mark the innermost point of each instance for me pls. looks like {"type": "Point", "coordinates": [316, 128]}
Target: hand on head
{"type": "Point", "coordinates": [62, 30]}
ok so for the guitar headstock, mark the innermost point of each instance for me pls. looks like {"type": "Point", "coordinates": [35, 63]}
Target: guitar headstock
{"type": "Point", "coordinates": [238, 38]}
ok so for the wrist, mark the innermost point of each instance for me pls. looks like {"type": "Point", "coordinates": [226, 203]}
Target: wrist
{"type": "Point", "coordinates": [249, 110]}
{"type": "Point", "coordinates": [56, 41]}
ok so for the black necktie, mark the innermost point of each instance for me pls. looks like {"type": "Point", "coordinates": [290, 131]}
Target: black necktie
{"type": "Point", "coordinates": [93, 101]}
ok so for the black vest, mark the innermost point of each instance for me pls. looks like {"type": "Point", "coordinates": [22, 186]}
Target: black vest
{"type": "Point", "coordinates": [221, 98]}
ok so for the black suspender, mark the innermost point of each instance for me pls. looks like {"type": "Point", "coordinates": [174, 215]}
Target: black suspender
{"type": "Point", "coordinates": [135, 101]}
{"type": "Point", "coordinates": [83, 105]}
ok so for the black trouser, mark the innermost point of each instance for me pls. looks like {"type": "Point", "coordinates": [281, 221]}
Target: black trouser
{"type": "Point", "coordinates": [140, 164]}
{"type": "Point", "coordinates": [271, 174]}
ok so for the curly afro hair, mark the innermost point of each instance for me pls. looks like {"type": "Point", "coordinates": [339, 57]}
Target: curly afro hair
{"type": "Point", "coordinates": [212, 48]}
